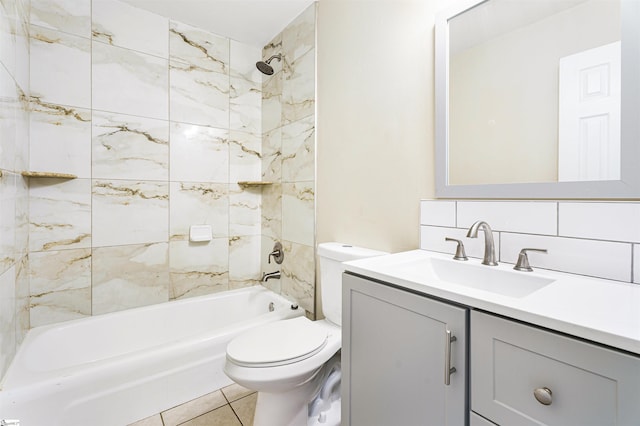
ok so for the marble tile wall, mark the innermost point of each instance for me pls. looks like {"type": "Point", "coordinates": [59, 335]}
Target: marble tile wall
{"type": "Point", "coordinates": [159, 120]}
{"type": "Point", "coordinates": [593, 238]}
{"type": "Point", "coordinates": [14, 156]}
{"type": "Point", "coordinates": [288, 158]}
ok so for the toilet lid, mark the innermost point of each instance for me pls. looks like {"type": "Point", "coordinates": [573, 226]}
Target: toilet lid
{"type": "Point", "coordinates": [277, 343]}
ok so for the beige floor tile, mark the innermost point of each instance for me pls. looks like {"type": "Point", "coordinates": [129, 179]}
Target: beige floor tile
{"type": "Point", "coordinates": [149, 421]}
{"type": "Point", "coordinates": [245, 408]}
{"type": "Point", "coordinates": [222, 416]}
{"type": "Point", "coordinates": [192, 409]}
{"type": "Point", "coordinates": [235, 391]}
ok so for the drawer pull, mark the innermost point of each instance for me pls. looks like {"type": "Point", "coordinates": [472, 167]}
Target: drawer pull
{"type": "Point", "coordinates": [543, 395]}
{"type": "Point", "coordinates": [448, 369]}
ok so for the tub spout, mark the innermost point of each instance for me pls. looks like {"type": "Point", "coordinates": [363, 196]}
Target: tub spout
{"type": "Point", "coordinates": [266, 276]}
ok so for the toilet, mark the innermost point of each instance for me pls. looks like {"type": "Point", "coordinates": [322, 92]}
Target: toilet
{"type": "Point", "coordinates": [294, 364]}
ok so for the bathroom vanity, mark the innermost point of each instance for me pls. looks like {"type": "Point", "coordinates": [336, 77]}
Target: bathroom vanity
{"type": "Point", "coordinates": [429, 340]}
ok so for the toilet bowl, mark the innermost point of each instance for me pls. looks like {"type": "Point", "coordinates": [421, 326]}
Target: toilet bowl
{"type": "Point", "coordinates": [294, 364]}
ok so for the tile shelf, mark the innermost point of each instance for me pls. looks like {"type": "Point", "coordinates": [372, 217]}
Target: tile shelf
{"type": "Point", "coordinates": [55, 175]}
{"type": "Point", "coordinates": [251, 183]}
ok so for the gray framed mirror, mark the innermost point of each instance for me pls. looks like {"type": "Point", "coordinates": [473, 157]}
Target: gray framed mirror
{"type": "Point", "coordinates": [538, 99]}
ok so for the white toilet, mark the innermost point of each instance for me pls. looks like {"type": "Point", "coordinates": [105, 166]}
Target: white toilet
{"type": "Point", "coordinates": [294, 364]}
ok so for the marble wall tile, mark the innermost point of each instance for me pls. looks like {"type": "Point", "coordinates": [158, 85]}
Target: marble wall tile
{"type": "Point", "coordinates": [298, 274]}
{"type": "Point", "coordinates": [245, 160]}
{"type": "Point", "coordinates": [298, 150]}
{"type": "Point", "coordinates": [298, 88]}
{"type": "Point", "coordinates": [22, 55]}
{"type": "Point", "coordinates": [129, 212]}
{"type": "Point", "coordinates": [60, 139]}
{"type": "Point", "coordinates": [198, 268]}
{"type": "Point", "coordinates": [198, 48]}
{"type": "Point", "coordinates": [23, 323]}
{"type": "Point", "coordinates": [119, 24]}
{"type": "Point", "coordinates": [245, 106]}
{"type": "Point", "coordinates": [272, 155]}
{"type": "Point", "coordinates": [125, 277]}
{"type": "Point", "coordinates": [199, 153]}
{"type": "Point", "coordinates": [272, 211]}
{"type": "Point", "coordinates": [7, 318]}
{"type": "Point", "coordinates": [244, 261]}
{"type": "Point", "coordinates": [243, 58]}
{"type": "Point", "coordinates": [60, 286]}
{"type": "Point", "coordinates": [8, 43]}
{"type": "Point", "coordinates": [9, 115]}
{"type": "Point", "coordinates": [60, 68]}
{"type": "Point", "coordinates": [141, 81]}
{"type": "Point", "coordinates": [298, 206]}
{"type": "Point", "coordinates": [272, 102]}
{"type": "Point", "coordinates": [7, 221]}
{"type": "Point", "coordinates": [21, 216]}
{"type": "Point", "coordinates": [244, 211]}
{"type": "Point", "coordinates": [299, 37]}
{"type": "Point", "coordinates": [129, 147]}
{"type": "Point", "coordinates": [70, 16]}
{"type": "Point", "coordinates": [21, 151]}
{"type": "Point", "coordinates": [198, 204]}
{"type": "Point", "coordinates": [59, 214]}
{"type": "Point", "coordinates": [198, 96]}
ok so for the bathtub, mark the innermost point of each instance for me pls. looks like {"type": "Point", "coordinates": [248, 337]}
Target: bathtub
{"type": "Point", "coordinates": [117, 368]}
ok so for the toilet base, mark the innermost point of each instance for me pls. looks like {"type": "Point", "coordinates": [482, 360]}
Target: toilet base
{"type": "Point", "coordinates": [284, 408]}
{"type": "Point", "coordinates": [292, 407]}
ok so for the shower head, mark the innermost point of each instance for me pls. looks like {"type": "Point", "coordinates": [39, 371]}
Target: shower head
{"type": "Point", "coordinates": [264, 67]}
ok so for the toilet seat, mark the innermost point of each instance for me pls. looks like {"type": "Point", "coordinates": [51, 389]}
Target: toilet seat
{"type": "Point", "coordinates": [277, 343]}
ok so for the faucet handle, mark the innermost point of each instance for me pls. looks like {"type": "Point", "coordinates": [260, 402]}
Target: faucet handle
{"type": "Point", "coordinates": [460, 254]}
{"type": "Point", "coordinates": [523, 259]}
{"type": "Point", "coordinates": [277, 254]}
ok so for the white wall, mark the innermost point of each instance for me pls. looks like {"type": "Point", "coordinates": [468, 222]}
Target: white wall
{"type": "Point", "coordinates": [375, 120]}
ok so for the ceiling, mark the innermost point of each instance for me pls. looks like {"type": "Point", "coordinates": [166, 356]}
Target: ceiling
{"type": "Point", "coordinates": [254, 22]}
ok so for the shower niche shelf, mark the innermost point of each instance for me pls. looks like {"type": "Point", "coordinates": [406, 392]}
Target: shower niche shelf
{"type": "Point", "coordinates": [54, 175]}
{"type": "Point", "coordinates": [251, 183]}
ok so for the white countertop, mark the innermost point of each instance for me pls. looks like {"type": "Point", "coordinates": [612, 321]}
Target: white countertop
{"type": "Point", "coordinates": [599, 310]}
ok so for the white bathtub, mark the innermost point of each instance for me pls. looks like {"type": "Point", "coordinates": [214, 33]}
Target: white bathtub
{"type": "Point", "coordinates": [117, 368]}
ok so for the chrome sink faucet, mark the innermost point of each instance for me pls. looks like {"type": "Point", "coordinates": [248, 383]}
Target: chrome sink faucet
{"type": "Point", "coordinates": [489, 247]}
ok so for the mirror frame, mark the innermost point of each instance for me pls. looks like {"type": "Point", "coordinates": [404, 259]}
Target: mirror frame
{"type": "Point", "coordinates": [628, 187]}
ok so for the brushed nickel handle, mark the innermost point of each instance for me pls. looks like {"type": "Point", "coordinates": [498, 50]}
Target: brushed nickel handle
{"type": "Point", "coordinates": [523, 260]}
{"type": "Point", "coordinates": [460, 254]}
{"type": "Point", "coordinates": [543, 395]}
{"type": "Point", "coordinates": [448, 369]}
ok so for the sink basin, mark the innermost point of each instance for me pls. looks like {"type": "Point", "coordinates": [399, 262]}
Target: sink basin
{"type": "Point", "coordinates": [494, 279]}
{"type": "Point", "coordinates": [488, 278]}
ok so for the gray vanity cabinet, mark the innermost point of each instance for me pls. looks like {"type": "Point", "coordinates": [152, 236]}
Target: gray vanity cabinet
{"type": "Point", "coordinates": [524, 376]}
{"type": "Point", "coordinates": [398, 350]}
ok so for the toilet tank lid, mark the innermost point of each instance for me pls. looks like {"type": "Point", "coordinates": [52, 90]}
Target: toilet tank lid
{"type": "Point", "coordinates": [344, 252]}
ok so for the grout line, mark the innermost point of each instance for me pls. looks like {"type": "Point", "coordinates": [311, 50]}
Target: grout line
{"type": "Point", "coordinates": [236, 414]}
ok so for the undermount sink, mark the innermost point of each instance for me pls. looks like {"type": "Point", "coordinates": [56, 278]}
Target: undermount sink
{"type": "Point", "coordinates": [487, 278]}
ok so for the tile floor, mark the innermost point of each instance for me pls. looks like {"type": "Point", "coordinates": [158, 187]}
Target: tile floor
{"type": "Point", "coordinates": [229, 406]}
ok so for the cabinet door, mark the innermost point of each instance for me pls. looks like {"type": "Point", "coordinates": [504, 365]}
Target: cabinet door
{"type": "Point", "coordinates": [394, 355]}
{"type": "Point", "coordinates": [525, 376]}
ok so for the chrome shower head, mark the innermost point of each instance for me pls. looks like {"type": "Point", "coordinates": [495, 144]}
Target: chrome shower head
{"type": "Point", "coordinates": [264, 67]}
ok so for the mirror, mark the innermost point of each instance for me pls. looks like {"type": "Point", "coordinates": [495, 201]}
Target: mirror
{"type": "Point", "coordinates": [538, 99]}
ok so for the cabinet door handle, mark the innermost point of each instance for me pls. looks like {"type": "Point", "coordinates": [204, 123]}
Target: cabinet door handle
{"type": "Point", "coordinates": [543, 395]}
{"type": "Point", "coordinates": [448, 369]}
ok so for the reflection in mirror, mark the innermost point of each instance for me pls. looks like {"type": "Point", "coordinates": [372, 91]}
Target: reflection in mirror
{"type": "Point", "coordinates": [534, 92]}
{"type": "Point", "coordinates": [538, 99]}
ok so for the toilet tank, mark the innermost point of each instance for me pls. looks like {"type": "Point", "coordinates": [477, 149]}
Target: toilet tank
{"type": "Point", "coordinates": [331, 256]}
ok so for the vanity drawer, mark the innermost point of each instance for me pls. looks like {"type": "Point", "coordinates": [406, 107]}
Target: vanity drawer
{"type": "Point", "coordinates": [584, 384]}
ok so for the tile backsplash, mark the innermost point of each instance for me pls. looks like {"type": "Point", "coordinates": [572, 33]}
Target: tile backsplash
{"type": "Point", "coordinates": [598, 239]}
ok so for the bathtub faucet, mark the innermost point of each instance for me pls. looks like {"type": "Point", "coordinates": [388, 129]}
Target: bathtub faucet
{"type": "Point", "coordinates": [266, 276]}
